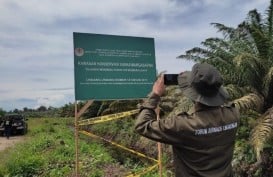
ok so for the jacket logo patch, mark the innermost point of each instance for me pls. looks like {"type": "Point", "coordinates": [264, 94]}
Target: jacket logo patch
{"type": "Point", "coordinates": [210, 130]}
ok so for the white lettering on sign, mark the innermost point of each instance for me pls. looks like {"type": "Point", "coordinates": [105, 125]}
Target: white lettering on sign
{"type": "Point", "coordinates": [210, 130]}
{"type": "Point", "coordinates": [115, 64]}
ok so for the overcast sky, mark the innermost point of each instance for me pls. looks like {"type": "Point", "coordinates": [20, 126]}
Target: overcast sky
{"type": "Point", "coordinates": [36, 38]}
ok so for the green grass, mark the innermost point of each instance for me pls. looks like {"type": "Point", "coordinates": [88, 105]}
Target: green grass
{"type": "Point", "coordinates": [49, 151]}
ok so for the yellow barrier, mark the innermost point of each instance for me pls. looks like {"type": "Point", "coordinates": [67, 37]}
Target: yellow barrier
{"type": "Point", "coordinates": [116, 116]}
{"type": "Point", "coordinates": [144, 171]}
{"type": "Point", "coordinates": [106, 118]}
{"type": "Point", "coordinates": [127, 149]}
{"type": "Point", "coordinates": [118, 145]}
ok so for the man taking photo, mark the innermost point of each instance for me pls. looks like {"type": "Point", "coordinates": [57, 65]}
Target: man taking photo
{"type": "Point", "coordinates": [203, 138]}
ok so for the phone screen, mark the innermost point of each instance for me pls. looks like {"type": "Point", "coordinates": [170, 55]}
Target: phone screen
{"type": "Point", "coordinates": [170, 79]}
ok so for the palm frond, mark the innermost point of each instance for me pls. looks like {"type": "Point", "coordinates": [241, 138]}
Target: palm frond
{"type": "Point", "coordinates": [174, 102]}
{"type": "Point", "coordinates": [252, 101]}
{"type": "Point", "coordinates": [190, 58]}
{"type": "Point", "coordinates": [259, 34]}
{"type": "Point", "coordinates": [269, 24]}
{"type": "Point", "coordinates": [252, 69]}
{"type": "Point", "coordinates": [195, 54]}
{"type": "Point", "coordinates": [261, 41]}
{"type": "Point", "coordinates": [228, 32]}
{"type": "Point", "coordinates": [270, 19]}
{"type": "Point", "coordinates": [236, 92]}
{"type": "Point", "coordinates": [268, 81]}
{"type": "Point", "coordinates": [183, 105]}
{"type": "Point", "coordinates": [197, 51]}
{"type": "Point", "coordinates": [262, 132]}
{"type": "Point", "coordinates": [254, 17]}
{"type": "Point", "coordinates": [218, 47]}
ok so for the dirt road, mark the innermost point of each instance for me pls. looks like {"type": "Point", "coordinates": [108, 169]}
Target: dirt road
{"type": "Point", "coordinates": [6, 143]}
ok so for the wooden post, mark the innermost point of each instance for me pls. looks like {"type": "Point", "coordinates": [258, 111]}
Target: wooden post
{"type": "Point", "coordinates": [77, 116]}
{"type": "Point", "coordinates": [76, 133]}
{"type": "Point", "coordinates": [159, 146]}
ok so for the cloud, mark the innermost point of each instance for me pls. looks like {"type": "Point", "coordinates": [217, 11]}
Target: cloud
{"type": "Point", "coordinates": [52, 100]}
{"type": "Point", "coordinates": [39, 80]}
{"type": "Point", "coordinates": [55, 98]}
{"type": "Point", "coordinates": [20, 103]}
{"type": "Point", "coordinates": [60, 89]}
{"type": "Point", "coordinates": [36, 38]}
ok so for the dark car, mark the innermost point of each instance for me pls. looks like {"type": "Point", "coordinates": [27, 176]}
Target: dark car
{"type": "Point", "coordinates": [19, 124]}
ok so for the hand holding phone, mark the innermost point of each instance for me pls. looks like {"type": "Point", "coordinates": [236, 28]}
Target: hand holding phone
{"type": "Point", "coordinates": [159, 87]}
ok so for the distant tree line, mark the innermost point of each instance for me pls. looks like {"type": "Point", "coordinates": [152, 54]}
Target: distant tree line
{"type": "Point", "coordinates": [41, 111]}
{"type": "Point", "coordinates": [97, 108]}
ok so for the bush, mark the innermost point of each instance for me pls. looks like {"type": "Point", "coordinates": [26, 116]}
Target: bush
{"type": "Point", "coordinates": [25, 164]}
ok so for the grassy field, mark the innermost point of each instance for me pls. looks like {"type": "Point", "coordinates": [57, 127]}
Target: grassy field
{"type": "Point", "coordinates": [49, 151]}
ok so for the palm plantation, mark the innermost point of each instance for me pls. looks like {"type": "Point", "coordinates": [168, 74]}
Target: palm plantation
{"type": "Point", "coordinates": [244, 55]}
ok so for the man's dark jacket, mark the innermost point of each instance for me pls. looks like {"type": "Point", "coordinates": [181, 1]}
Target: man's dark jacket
{"type": "Point", "coordinates": [202, 139]}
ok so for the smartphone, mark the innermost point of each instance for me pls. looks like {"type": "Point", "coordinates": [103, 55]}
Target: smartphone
{"type": "Point", "coordinates": [170, 79]}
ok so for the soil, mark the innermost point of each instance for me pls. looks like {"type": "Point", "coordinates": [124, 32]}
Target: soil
{"type": "Point", "coordinates": [7, 143]}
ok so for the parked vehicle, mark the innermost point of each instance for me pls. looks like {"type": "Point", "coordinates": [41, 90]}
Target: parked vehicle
{"type": "Point", "coordinates": [19, 124]}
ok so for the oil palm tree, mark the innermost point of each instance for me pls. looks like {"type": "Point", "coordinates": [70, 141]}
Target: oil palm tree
{"type": "Point", "coordinates": [244, 55]}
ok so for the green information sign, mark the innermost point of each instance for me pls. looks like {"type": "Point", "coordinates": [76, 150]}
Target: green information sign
{"type": "Point", "coordinates": [113, 67]}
